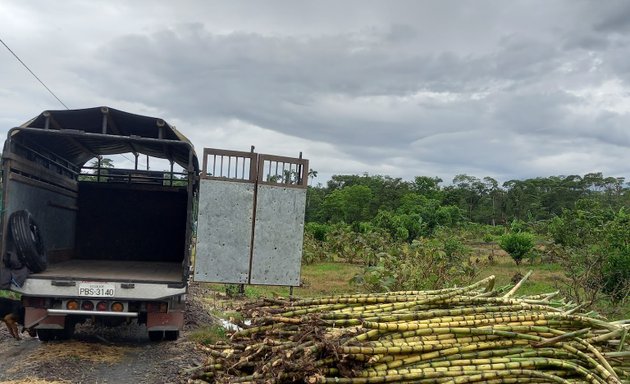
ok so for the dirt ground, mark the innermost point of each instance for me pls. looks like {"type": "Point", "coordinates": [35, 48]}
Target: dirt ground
{"type": "Point", "coordinates": [106, 355]}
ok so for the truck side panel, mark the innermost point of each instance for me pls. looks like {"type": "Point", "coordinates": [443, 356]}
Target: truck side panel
{"type": "Point", "coordinates": [51, 210]}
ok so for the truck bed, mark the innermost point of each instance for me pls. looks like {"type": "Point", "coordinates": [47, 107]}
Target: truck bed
{"type": "Point", "coordinates": [108, 270]}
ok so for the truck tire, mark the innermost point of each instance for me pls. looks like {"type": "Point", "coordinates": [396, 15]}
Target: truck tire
{"type": "Point", "coordinates": [171, 335]}
{"type": "Point", "coordinates": [46, 334]}
{"type": "Point", "coordinates": [55, 334]}
{"type": "Point", "coordinates": [28, 241]}
{"type": "Point", "coordinates": [156, 335]}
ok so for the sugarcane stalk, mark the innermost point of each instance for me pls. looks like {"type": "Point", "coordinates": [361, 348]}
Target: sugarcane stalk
{"type": "Point", "coordinates": [518, 285]}
{"type": "Point", "coordinates": [498, 365]}
{"type": "Point", "coordinates": [622, 341]}
{"type": "Point", "coordinates": [456, 335]}
{"type": "Point", "coordinates": [565, 336]}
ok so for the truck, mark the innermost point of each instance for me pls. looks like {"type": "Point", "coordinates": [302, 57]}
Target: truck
{"type": "Point", "coordinates": [82, 240]}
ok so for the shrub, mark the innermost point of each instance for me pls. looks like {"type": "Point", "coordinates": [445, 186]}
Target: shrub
{"type": "Point", "coordinates": [432, 263]}
{"type": "Point", "coordinates": [342, 243]}
{"type": "Point", "coordinates": [517, 244]}
{"type": "Point", "coordinates": [488, 238]}
{"type": "Point", "coordinates": [617, 265]}
{"type": "Point", "coordinates": [583, 269]}
{"type": "Point", "coordinates": [318, 230]}
{"type": "Point", "coordinates": [405, 227]}
{"type": "Point", "coordinates": [617, 275]}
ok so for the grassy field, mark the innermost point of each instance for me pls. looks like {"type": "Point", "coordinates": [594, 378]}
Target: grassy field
{"type": "Point", "coordinates": [546, 277]}
{"type": "Point", "coordinates": [332, 278]}
{"type": "Point", "coordinates": [319, 279]}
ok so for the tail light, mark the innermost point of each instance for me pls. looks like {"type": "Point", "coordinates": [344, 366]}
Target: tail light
{"type": "Point", "coordinates": [72, 304]}
{"type": "Point", "coordinates": [117, 307]}
{"type": "Point", "coordinates": [101, 306]}
{"type": "Point", "coordinates": [87, 305]}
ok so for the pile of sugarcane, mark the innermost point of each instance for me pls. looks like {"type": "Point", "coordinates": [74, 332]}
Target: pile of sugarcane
{"type": "Point", "coordinates": [457, 335]}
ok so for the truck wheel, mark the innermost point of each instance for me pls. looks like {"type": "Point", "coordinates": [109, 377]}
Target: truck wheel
{"type": "Point", "coordinates": [46, 334]}
{"type": "Point", "coordinates": [171, 335]}
{"type": "Point", "coordinates": [28, 241]}
{"type": "Point", "coordinates": [67, 332]}
{"type": "Point", "coordinates": [156, 335]}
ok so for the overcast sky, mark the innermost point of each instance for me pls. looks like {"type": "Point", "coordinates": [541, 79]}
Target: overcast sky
{"type": "Point", "coordinates": [507, 89]}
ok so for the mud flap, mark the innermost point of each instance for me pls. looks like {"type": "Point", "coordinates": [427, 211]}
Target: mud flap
{"type": "Point", "coordinates": [171, 321]}
{"type": "Point", "coordinates": [39, 317]}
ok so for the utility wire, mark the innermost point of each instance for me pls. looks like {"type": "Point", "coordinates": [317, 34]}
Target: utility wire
{"type": "Point", "coordinates": [32, 73]}
{"type": "Point", "coordinates": [42, 83]}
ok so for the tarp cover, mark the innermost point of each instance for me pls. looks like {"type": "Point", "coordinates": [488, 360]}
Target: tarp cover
{"type": "Point", "coordinates": [78, 149]}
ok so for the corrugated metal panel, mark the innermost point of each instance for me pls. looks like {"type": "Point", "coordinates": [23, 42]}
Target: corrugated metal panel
{"type": "Point", "coordinates": [278, 235]}
{"type": "Point", "coordinates": [224, 231]}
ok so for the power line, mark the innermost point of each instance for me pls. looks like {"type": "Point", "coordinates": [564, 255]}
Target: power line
{"type": "Point", "coordinates": [32, 73]}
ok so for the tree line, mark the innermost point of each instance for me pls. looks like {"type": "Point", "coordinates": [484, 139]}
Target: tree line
{"type": "Point", "coordinates": [361, 198]}
{"type": "Point", "coordinates": [413, 234]}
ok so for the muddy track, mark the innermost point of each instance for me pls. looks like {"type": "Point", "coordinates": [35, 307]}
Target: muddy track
{"type": "Point", "coordinates": [105, 355]}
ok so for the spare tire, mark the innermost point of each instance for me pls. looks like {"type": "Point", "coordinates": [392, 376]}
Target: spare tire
{"type": "Point", "coordinates": [28, 241]}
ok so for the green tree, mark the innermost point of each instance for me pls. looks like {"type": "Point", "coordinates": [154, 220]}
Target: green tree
{"type": "Point", "coordinates": [521, 199]}
{"type": "Point", "coordinates": [314, 204]}
{"type": "Point", "coordinates": [617, 267]}
{"type": "Point", "coordinates": [517, 244]}
{"type": "Point", "coordinates": [428, 187]}
{"type": "Point", "coordinates": [312, 174]}
{"type": "Point", "coordinates": [472, 191]}
{"type": "Point", "coordinates": [349, 204]}
{"type": "Point", "coordinates": [98, 169]}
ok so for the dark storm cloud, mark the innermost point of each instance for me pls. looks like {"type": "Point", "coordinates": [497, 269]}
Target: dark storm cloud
{"type": "Point", "coordinates": [506, 89]}
{"type": "Point", "coordinates": [288, 84]}
{"type": "Point", "coordinates": [324, 88]}
{"type": "Point", "coordinates": [614, 16]}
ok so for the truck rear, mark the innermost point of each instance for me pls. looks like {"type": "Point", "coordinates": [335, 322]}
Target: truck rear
{"type": "Point", "coordinates": [84, 241]}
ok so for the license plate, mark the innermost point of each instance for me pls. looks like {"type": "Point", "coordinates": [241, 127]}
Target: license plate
{"type": "Point", "coordinates": [97, 289]}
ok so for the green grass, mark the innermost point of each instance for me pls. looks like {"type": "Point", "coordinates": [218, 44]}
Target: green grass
{"type": "Point", "coordinates": [333, 278]}
{"type": "Point", "coordinates": [209, 334]}
{"type": "Point", "coordinates": [319, 279]}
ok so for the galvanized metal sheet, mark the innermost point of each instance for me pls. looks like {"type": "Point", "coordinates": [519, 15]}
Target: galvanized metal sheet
{"type": "Point", "coordinates": [224, 231]}
{"type": "Point", "coordinates": [279, 233]}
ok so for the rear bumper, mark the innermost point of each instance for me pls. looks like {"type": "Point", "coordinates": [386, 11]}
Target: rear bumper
{"type": "Point", "coordinates": [124, 290]}
{"type": "Point", "coordinates": [43, 318]}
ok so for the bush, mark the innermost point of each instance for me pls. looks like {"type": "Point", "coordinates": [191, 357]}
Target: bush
{"type": "Point", "coordinates": [617, 275]}
{"type": "Point", "coordinates": [517, 244]}
{"type": "Point", "coordinates": [318, 230]}
{"type": "Point", "coordinates": [434, 263]}
{"type": "Point", "coordinates": [488, 238]}
{"type": "Point", "coordinates": [583, 269]}
{"type": "Point", "coordinates": [617, 265]}
{"type": "Point", "coordinates": [342, 243]}
{"type": "Point", "coordinates": [404, 227]}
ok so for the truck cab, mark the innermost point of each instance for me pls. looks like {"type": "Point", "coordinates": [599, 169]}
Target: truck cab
{"type": "Point", "coordinates": [81, 240]}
